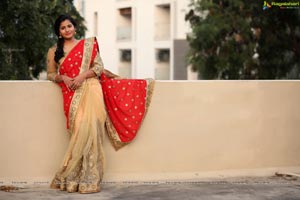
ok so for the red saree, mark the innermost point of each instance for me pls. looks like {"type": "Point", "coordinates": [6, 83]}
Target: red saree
{"type": "Point", "coordinates": [101, 105]}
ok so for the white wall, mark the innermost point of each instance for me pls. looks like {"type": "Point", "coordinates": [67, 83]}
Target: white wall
{"type": "Point", "coordinates": [106, 30]}
{"type": "Point", "coordinates": [181, 26]}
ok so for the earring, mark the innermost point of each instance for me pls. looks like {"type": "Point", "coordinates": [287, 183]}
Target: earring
{"type": "Point", "coordinates": [59, 36]}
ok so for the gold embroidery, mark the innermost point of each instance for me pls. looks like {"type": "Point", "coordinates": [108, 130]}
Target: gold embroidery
{"type": "Point", "coordinates": [113, 135]}
{"type": "Point", "coordinates": [75, 104]}
{"type": "Point", "coordinates": [87, 53]}
{"type": "Point", "coordinates": [97, 65]}
{"type": "Point", "coordinates": [150, 88]}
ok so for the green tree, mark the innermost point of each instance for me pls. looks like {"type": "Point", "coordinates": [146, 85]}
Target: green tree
{"type": "Point", "coordinates": [237, 39]}
{"type": "Point", "coordinates": [26, 33]}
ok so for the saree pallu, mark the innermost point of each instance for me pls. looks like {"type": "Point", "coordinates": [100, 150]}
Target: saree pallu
{"type": "Point", "coordinates": [100, 105]}
{"type": "Point", "coordinates": [127, 102]}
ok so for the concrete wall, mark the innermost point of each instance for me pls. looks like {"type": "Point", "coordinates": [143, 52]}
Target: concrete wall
{"type": "Point", "coordinates": [192, 129]}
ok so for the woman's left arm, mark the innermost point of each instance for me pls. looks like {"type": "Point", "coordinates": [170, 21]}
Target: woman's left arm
{"type": "Point", "coordinates": [95, 70]}
{"type": "Point", "coordinates": [51, 65]}
{"type": "Point", "coordinates": [97, 65]}
{"type": "Point", "coordinates": [78, 80]}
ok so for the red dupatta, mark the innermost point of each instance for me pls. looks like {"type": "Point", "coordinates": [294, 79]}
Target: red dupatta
{"type": "Point", "coordinates": [127, 101]}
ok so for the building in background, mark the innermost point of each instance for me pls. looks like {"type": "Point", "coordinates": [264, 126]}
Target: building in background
{"type": "Point", "coordinates": [139, 38]}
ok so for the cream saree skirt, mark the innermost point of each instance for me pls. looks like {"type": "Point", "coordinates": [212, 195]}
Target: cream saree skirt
{"type": "Point", "coordinates": [82, 168]}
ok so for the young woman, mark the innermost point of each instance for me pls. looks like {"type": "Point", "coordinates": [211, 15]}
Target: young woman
{"type": "Point", "coordinates": [95, 101]}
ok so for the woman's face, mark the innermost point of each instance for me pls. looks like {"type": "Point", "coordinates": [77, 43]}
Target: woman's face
{"type": "Point", "coordinates": [67, 29]}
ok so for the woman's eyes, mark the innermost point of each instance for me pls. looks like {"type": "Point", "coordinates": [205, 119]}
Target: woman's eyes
{"type": "Point", "coordinates": [69, 26]}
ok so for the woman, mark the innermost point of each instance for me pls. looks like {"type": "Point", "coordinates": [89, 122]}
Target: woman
{"type": "Point", "coordinates": [95, 101]}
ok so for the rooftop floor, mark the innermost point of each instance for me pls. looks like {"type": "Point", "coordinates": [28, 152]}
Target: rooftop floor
{"type": "Point", "coordinates": [246, 188]}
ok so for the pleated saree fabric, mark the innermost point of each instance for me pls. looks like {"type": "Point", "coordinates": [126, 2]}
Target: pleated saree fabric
{"type": "Point", "coordinates": [101, 105]}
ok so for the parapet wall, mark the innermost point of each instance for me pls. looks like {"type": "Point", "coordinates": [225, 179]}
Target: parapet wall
{"type": "Point", "coordinates": [191, 128]}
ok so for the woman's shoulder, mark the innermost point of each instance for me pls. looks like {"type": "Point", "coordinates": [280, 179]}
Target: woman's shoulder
{"type": "Point", "coordinates": [91, 39]}
{"type": "Point", "coordinates": [53, 48]}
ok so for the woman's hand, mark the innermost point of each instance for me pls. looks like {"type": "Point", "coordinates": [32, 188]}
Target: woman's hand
{"type": "Point", "coordinates": [117, 78]}
{"type": "Point", "coordinates": [77, 81]}
{"type": "Point", "coordinates": [111, 75]}
{"type": "Point", "coordinates": [67, 80]}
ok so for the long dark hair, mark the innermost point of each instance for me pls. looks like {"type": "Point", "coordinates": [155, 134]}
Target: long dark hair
{"type": "Point", "coordinates": [59, 53]}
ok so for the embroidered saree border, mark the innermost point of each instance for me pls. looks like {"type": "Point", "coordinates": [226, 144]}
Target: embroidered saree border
{"type": "Point", "coordinates": [150, 88]}
{"type": "Point", "coordinates": [87, 55]}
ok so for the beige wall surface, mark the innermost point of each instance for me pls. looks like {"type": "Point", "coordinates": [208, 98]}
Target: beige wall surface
{"type": "Point", "coordinates": [191, 128]}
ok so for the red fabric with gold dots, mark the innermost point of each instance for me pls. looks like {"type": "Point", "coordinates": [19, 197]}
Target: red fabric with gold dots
{"type": "Point", "coordinates": [71, 68]}
{"type": "Point", "coordinates": [125, 101]}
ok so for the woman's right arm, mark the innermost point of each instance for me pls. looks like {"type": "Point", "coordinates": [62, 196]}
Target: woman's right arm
{"type": "Point", "coordinates": [51, 66]}
{"type": "Point", "coordinates": [52, 74]}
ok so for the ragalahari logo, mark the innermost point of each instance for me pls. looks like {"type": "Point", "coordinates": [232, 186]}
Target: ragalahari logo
{"type": "Point", "coordinates": [266, 5]}
{"type": "Point", "coordinates": [282, 5]}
